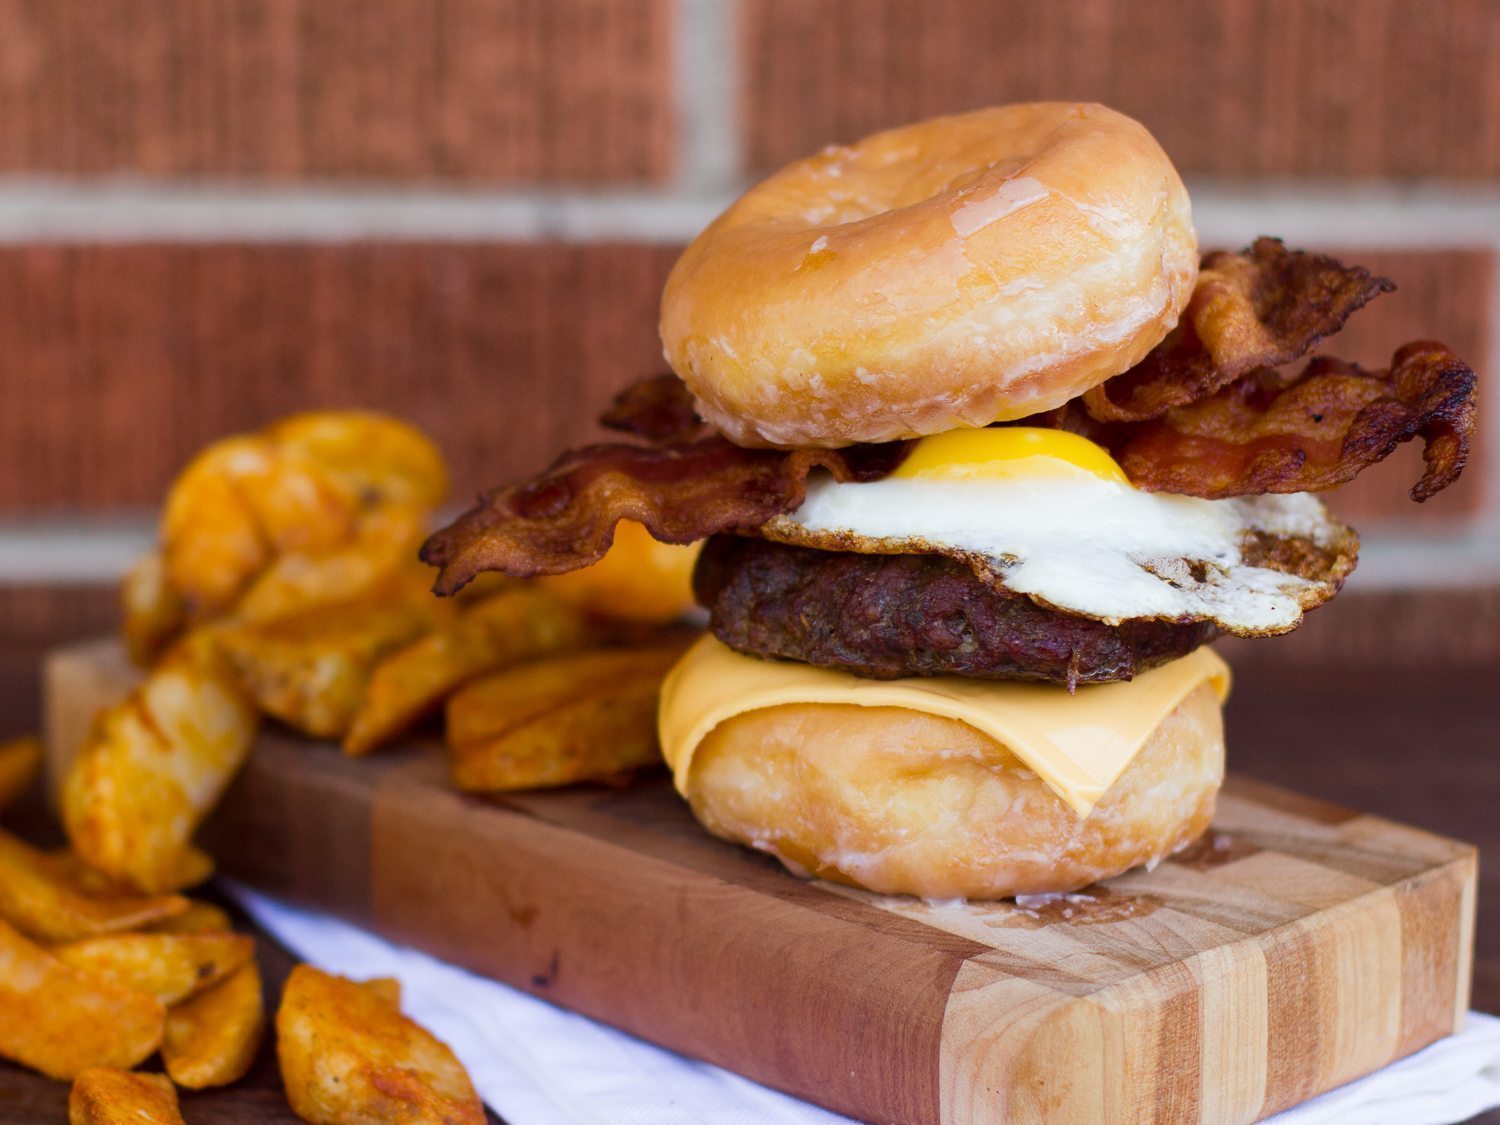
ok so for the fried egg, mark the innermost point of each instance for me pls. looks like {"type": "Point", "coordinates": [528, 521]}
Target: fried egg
{"type": "Point", "coordinates": [1051, 515]}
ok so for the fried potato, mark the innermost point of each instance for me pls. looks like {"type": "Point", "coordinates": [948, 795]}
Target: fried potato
{"type": "Point", "coordinates": [386, 546]}
{"type": "Point", "coordinates": [309, 486]}
{"type": "Point", "coordinates": [20, 763]}
{"type": "Point", "coordinates": [348, 1054]}
{"type": "Point", "coordinates": [297, 504]}
{"type": "Point", "coordinates": [310, 670]}
{"type": "Point", "coordinates": [153, 767]}
{"type": "Point", "coordinates": [387, 988]}
{"type": "Point", "coordinates": [106, 1095]}
{"type": "Point", "coordinates": [153, 610]}
{"type": "Point", "coordinates": [639, 579]}
{"type": "Point", "coordinates": [199, 918]}
{"type": "Point", "coordinates": [170, 967]}
{"type": "Point", "coordinates": [41, 896]}
{"type": "Point", "coordinates": [571, 718]}
{"type": "Point", "coordinates": [194, 868]}
{"type": "Point", "coordinates": [211, 1038]}
{"type": "Point", "coordinates": [379, 458]}
{"type": "Point", "coordinates": [212, 544]}
{"type": "Point", "coordinates": [61, 1020]}
{"type": "Point", "coordinates": [520, 623]}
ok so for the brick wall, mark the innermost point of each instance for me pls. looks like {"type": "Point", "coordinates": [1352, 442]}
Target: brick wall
{"type": "Point", "coordinates": [216, 211]}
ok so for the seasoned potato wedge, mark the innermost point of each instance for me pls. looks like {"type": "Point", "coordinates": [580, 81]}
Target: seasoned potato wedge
{"type": "Point", "coordinates": [639, 579]}
{"type": "Point", "coordinates": [310, 670]}
{"type": "Point", "coordinates": [310, 486]}
{"type": "Point", "coordinates": [20, 763]}
{"type": "Point", "coordinates": [520, 623]}
{"type": "Point", "coordinates": [570, 718]}
{"type": "Point", "coordinates": [211, 1038]}
{"type": "Point", "coordinates": [199, 918]}
{"type": "Point", "coordinates": [105, 1095]}
{"type": "Point", "coordinates": [153, 610]}
{"type": "Point", "coordinates": [61, 1020]}
{"type": "Point", "coordinates": [387, 988]}
{"type": "Point", "coordinates": [378, 458]}
{"type": "Point", "coordinates": [212, 545]}
{"type": "Point", "coordinates": [348, 1054]}
{"type": "Point", "coordinates": [170, 967]}
{"type": "Point", "coordinates": [41, 896]}
{"type": "Point", "coordinates": [384, 551]}
{"type": "Point", "coordinates": [153, 767]}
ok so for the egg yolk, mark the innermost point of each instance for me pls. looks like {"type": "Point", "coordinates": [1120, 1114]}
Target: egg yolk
{"type": "Point", "coordinates": [1007, 451]}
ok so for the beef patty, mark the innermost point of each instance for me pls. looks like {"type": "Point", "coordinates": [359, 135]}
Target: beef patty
{"type": "Point", "coordinates": [886, 616]}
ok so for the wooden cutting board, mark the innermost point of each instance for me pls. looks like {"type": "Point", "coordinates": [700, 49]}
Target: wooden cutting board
{"type": "Point", "coordinates": [1299, 946]}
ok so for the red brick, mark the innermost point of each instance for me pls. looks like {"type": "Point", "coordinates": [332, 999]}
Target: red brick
{"type": "Point", "coordinates": [118, 362]}
{"type": "Point", "coordinates": [1230, 87]}
{"type": "Point", "coordinates": [498, 91]}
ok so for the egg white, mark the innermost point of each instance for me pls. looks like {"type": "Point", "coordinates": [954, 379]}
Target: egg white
{"type": "Point", "coordinates": [1095, 547]}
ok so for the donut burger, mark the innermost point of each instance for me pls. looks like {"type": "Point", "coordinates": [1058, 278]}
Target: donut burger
{"type": "Point", "coordinates": [982, 453]}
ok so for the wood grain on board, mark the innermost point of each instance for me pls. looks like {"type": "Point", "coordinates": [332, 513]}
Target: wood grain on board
{"type": "Point", "coordinates": [1298, 946]}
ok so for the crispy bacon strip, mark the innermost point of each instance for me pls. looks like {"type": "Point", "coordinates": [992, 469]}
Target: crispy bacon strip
{"type": "Point", "coordinates": [1301, 433]}
{"type": "Point", "coordinates": [659, 409]}
{"type": "Point", "coordinates": [1260, 308]}
{"type": "Point", "coordinates": [565, 517]}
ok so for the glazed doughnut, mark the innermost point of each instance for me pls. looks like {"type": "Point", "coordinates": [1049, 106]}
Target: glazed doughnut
{"type": "Point", "coordinates": [903, 802]}
{"type": "Point", "coordinates": [956, 272]}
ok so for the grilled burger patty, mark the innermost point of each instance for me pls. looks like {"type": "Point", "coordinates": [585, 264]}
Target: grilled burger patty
{"type": "Point", "coordinates": [886, 616]}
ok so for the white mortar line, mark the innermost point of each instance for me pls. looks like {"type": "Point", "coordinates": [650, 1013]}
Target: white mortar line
{"type": "Point", "coordinates": [90, 553]}
{"type": "Point", "coordinates": [1329, 214]}
{"type": "Point", "coordinates": [33, 210]}
{"type": "Point", "coordinates": [707, 75]}
{"type": "Point", "coordinates": [83, 553]}
{"type": "Point", "coordinates": [38, 209]}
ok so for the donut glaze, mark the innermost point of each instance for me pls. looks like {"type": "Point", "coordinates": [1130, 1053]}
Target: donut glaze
{"type": "Point", "coordinates": [956, 272]}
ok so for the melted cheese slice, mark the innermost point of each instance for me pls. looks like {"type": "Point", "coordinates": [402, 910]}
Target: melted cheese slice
{"type": "Point", "coordinates": [1078, 744]}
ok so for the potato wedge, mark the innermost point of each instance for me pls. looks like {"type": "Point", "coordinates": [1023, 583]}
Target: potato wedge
{"type": "Point", "coordinates": [105, 1095]}
{"type": "Point", "coordinates": [348, 1054]}
{"type": "Point", "coordinates": [153, 610]}
{"type": "Point", "coordinates": [297, 504]}
{"type": "Point", "coordinates": [199, 918]}
{"type": "Point", "coordinates": [170, 967]}
{"type": "Point", "coordinates": [385, 547]}
{"type": "Point", "coordinates": [518, 624]}
{"type": "Point", "coordinates": [41, 896]}
{"type": "Point", "coordinates": [154, 766]}
{"type": "Point", "coordinates": [387, 988]}
{"type": "Point", "coordinates": [310, 485]}
{"type": "Point", "coordinates": [503, 701]}
{"type": "Point", "coordinates": [310, 670]}
{"type": "Point", "coordinates": [555, 722]}
{"type": "Point", "coordinates": [211, 1037]}
{"type": "Point", "coordinates": [20, 764]}
{"type": "Point", "coordinates": [638, 579]}
{"type": "Point", "coordinates": [61, 1020]}
{"type": "Point", "coordinates": [382, 460]}
{"type": "Point", "coordinates": [212, 544]}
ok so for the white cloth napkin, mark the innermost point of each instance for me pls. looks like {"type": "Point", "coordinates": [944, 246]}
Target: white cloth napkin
{"type": "Point", "coordinates": [537, 1064]}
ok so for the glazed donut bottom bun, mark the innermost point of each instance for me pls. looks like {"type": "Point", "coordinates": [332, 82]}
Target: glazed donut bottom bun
{"type": "Point", "coordinates": [902, 802]}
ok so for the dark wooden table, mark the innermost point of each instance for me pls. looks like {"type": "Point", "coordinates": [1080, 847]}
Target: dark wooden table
{"type": "Point", "coordinates": [1417, 747]}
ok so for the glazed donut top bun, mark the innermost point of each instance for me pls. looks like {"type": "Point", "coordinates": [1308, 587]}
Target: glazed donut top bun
{"type": "Point", "coordinates": [952, 273]}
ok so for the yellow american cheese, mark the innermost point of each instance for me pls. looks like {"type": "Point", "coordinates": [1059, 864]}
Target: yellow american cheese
{"type": "Point", "coordinates": [1078, 744]}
